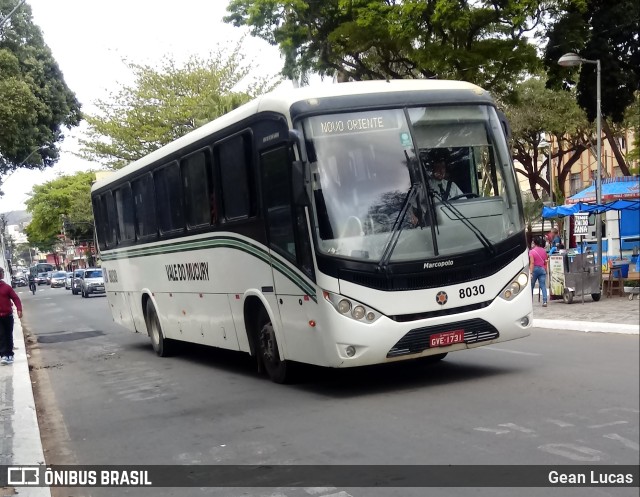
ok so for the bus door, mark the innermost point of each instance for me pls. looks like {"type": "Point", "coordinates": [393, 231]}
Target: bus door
{"type": "Point", "coordinates": [288, 242]}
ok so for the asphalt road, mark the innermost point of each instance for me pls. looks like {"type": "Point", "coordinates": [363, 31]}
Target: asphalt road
{"type": "Point", "coordinates": [103, 397]}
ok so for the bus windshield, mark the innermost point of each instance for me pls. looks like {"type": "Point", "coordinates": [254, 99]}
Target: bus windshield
{"type": "Point", "coordinates": [410, 184]}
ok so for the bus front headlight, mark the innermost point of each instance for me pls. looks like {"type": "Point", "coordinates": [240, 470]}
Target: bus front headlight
{"type": "Point", "coordinates": [515, 286]}
{"type": "Point", "coordinates": [351, 308]}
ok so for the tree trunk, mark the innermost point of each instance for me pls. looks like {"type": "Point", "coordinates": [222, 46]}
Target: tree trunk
{"type": "Point", "coordinates": [622, 164]}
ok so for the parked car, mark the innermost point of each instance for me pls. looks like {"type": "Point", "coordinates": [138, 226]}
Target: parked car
{"type": "Point", "coordinates": [58, 278]}
{"type": "Point", "coordinates": [76, 281]}
{"type": "Point", "coordinates": [92, 282]}
{"type": "Point", "coordinates": [18, 280]}
{"type": "Point", "coordinates": [68, 280]}
{"type": "Point", "coordinates": [41, 279]}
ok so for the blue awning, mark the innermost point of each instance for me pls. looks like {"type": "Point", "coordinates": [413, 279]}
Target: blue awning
{"type": "Point", "coordinates": [569, 210]}
{"type": "Point", "coordinates": [625, 187]}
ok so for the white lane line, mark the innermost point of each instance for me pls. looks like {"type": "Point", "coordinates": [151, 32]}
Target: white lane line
{"type": "Point", "coordinates": [492, 430]}
{"type": "Point", "coordinates": [509, 351]}
{"type": "Point", "coordinates": [319, 490]}
{"type": "Point", "coordinates": [574, 452]}
{"type": "Point", "coordinates": [516, 427]}
{"type": "Point", "coordinates": [561, 424]}
{"type": "Point", "coordinates": [613, 423]}
{"type": "Point", "coordinates": [625, 409]}
{"type": "Point", "coordinates": [625, 441]}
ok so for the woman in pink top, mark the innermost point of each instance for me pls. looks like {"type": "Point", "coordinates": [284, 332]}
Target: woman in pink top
{"type": "Point", "coordinates": [538, 267]}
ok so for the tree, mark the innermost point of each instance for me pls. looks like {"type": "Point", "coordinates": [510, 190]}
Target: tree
{"type": "Point", "coordinates": [36, 102]}
{"type": "Point", "coordinates": [604, 30]}
{"type": "Point", "coordinates": [537, 112]}
{"type": "Point", "coordinates": [483, 41]}
{"type": "Point", "coordinates": [165, 103]}
{"type": "Point", "coordinates": [65, 198]}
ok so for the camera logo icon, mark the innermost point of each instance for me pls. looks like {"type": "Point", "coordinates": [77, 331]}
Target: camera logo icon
{"type": "Point", "coordinates": [23, 475]}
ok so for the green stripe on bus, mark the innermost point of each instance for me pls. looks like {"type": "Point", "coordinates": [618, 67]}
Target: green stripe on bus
{"type": "Point", "coordinates": [216, 242]}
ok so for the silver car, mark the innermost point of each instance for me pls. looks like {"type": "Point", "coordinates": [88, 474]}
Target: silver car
{"type": "Point", "coordinates": [92, 282]}
{"type": "Point", "coordinates": [57, 279]}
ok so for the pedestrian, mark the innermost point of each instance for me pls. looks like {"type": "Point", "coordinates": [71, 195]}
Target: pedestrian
{"type": "Point", "coordinates": [555, 239]}
{"type": "Point", "coordinates": [7, 294]}
{"type": "Point", "coordinates": [538, 267]}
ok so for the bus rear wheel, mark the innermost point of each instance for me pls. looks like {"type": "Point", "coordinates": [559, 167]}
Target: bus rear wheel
{"type": "Point", "coordinates": [279, 371]}
{"type": "Point", "coordinates": [161, 345]}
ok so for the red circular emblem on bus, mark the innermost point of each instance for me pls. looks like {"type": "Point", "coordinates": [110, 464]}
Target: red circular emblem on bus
{"type": "Point", "coordinates": [442, 297]}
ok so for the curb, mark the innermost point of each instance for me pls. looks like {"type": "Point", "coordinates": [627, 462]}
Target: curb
{"type": "Point", "coordinates": [587, 326]}
{"type": "Point", "coordinates": [27, 446]}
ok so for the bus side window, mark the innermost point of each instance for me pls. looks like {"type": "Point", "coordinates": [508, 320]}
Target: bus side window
{"type": "Point", "coordinates": [196, 189]}
{"type": "Point", "coordinates": [169, 201]}
{"type": "Point", "coordinates": [234, 160]}
{"type": "Point", "coordinates": [145, 206]}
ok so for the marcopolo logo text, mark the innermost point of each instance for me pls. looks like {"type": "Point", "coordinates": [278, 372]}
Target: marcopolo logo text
{"type": "Point", "coordinates": [431, 265]}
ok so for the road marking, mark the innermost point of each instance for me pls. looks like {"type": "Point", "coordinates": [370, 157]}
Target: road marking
{"type": "Point", "coordinates": [625, 441]}
{"type": "Point", "coordinates": [561, 424]}
{"type": "Point", "coordinates": [515, 427]}
{"type": "Point", "coordinates": [319, 490]}
{"type": "Point", "coordinates": [492, 430]}
{"type": "Point", "coordinates": [613, 423]}
{"type": "Point", "coordinates": [574, 452]}
{"type": "Point", "coordinates": [509, 351]}
{"type": "Point", "coordinates": [625, 409]}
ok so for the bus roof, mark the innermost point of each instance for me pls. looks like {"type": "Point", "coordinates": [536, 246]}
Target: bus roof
{"type": "Point", "coordinates": [281, 100]}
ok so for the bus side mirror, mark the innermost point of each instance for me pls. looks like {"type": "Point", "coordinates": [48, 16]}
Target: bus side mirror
{"type": "Point", "coordinates": [299, 184]}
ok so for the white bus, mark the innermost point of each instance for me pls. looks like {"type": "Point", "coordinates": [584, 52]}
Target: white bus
{"type": "Point", "coordinates": [304, 227]}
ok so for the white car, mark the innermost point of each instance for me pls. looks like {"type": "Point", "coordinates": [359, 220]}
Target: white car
{"type": "Point", "coordinates": [92, 282]}
{"type": "Point", "coordinates": [68, 280]}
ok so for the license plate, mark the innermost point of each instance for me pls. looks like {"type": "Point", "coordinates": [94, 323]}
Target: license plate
{"type": "Point", "coordinates": [446, 338]}
{"type": "Point", "coordinates": [100, 288]}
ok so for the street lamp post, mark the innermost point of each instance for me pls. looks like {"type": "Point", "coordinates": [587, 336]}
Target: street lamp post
{"type": "Point", "coordinates": [545, 144]}
{"type": "Point", "coordinates": [572, 60]}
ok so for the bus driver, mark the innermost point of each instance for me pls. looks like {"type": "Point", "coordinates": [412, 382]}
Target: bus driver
{"type": "Point", "coordinates": [439, 183]}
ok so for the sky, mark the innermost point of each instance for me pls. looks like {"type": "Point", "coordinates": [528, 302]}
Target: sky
{"type": "Point", "coordinates": [89, 40]}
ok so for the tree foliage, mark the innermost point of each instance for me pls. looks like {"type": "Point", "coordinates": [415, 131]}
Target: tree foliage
{"type": "Point", "coordinates": [36, 102]}
{"type": "Point", "coordinates": [536, 113]}
{"type": "Point", "coordinates": [604, 30]}
{"type": "Point", "coordinates": [608, 32]}
{"type": "Point", "coordinates": [167, 102]}
{"type": "Point", "coordinates": [482, 41]}
{"type": "Point", "coordinates": [66, 199]}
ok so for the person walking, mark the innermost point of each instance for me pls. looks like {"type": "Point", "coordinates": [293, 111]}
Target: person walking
{"type": "Point", "coordinates": [7, 295]}
{"type": "Point", "coordinates": [538, 267]}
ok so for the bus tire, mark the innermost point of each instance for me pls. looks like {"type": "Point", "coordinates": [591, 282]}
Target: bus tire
{"type": "Point", "coordinates": [596, 297]}
{"type": "Point", "coordinates": [162, 346]}
{"type": "Point", "coordinates": [279, 371]}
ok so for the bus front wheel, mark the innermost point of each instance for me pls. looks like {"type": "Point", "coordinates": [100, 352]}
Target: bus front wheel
{"type": "Point", "coordinates": [161, 345]}
{"type": "Point", "coordinates": [277, 369]}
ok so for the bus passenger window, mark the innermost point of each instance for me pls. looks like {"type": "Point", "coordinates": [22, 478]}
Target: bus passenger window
{"type": "Point", "coordinates": [196, 190]}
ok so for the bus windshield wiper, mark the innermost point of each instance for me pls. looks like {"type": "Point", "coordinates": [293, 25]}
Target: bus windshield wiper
{"type": "Point", "coordinates": [465, 220]}
{"type": "Point", "coordinates": [396, 229]}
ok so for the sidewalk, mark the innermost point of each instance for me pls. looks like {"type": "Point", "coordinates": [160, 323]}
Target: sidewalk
{"type": "Point", "coordinates": [20, 442]}
{"type": "Point", "coordinates": [609, 315]}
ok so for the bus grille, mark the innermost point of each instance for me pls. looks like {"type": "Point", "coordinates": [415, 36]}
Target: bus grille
{"type": "Point", "coordinates": [417, 340]}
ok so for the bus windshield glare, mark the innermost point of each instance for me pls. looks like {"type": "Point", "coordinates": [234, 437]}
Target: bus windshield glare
{"type": "Point", "coordinates": [411, 184]}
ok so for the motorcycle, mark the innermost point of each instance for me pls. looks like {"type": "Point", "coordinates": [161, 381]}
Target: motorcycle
{"type": "Point", "coordinates": [32, 286]}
